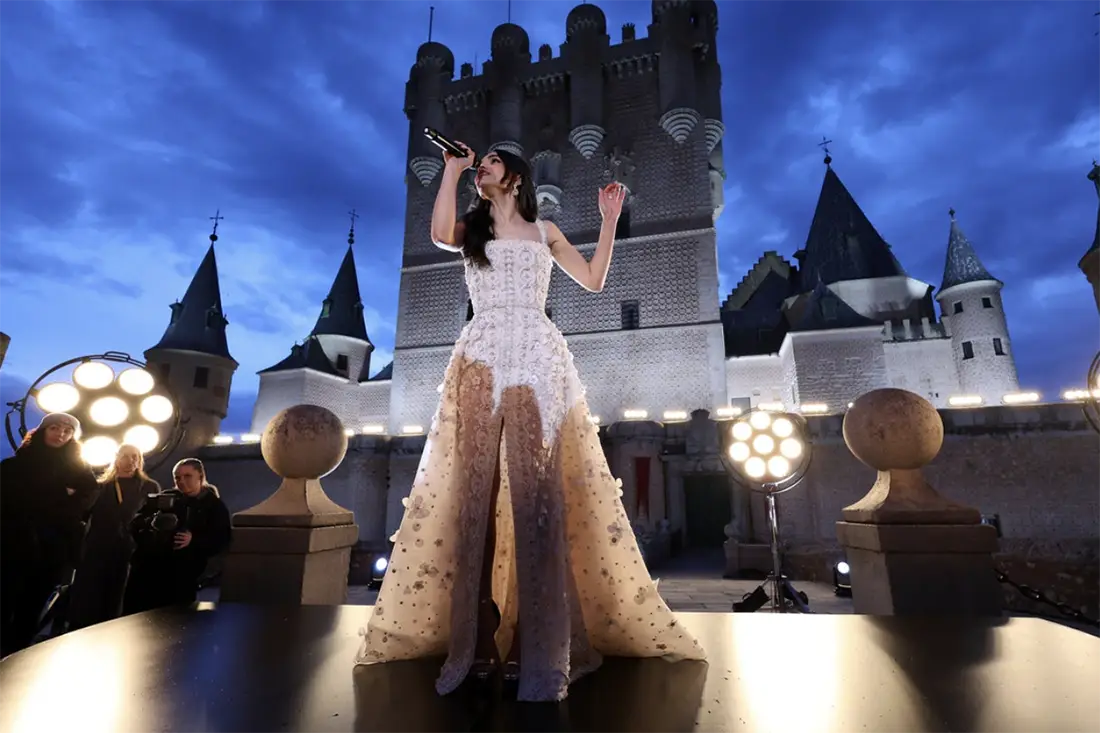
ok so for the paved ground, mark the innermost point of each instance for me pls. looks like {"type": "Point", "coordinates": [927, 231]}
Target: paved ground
{"type": "Point", "coordinates": [690, 584]}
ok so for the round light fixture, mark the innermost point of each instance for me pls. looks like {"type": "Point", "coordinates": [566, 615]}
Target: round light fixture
{"type": "Point", "coordinates": [57, 397]}
{"type": "Point", "coordinates": [156, 408]}
{"type": "Point", "coordinates": [136, 381]}
{"type": "Point", "coordinates": [769, 449]}
{"type": "Point", "coordinates": [99, 451]}
{"type": "Point", "coordinates": [143, 437]}
{"type": "Point", "coordinates": [109, 411]}
{"type": "Point", "coordinates": [93, 375]}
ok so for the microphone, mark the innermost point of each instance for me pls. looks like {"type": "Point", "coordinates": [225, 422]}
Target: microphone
{"type": "Point", "coordinates": [441, 141]}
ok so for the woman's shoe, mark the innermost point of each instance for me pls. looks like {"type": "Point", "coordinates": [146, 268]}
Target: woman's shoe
{"type": "Point", "coordinates": [482, 671]}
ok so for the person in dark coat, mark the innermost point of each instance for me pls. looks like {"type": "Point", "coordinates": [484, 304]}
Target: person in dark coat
{"type": "Point", "coordinates": [176, 535]}
{"type": "Point", "coordinates": [101, 575]}
{"type": "Point", "coordinates": [46, 493]}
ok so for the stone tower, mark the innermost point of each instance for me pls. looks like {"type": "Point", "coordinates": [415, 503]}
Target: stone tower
{"type": "Point", "coordinates": [328, 367]}
{"type": "Point", "coordinates": [193, 356]}
{"type": "Point", "coordinates": [596, 112]}
{"type": "Point", "coordinates": [971, 308]}
{"type": "Point", "coordinates": [1090, 261]}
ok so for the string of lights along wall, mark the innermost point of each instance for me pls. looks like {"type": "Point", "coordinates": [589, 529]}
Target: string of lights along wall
{"type": "Point", "coordinates": [117, 401]}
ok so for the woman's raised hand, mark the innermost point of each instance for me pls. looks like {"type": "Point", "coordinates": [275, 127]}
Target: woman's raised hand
{"type": "Point", "coordinates": [611, 200]}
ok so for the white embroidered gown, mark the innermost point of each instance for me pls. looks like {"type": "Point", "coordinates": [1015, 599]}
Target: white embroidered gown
{"type": "Point", "coordinates": [567, 567]}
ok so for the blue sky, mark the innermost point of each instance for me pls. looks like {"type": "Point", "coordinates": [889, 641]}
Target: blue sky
{"type": "Point", "coordinates": [125, 125]}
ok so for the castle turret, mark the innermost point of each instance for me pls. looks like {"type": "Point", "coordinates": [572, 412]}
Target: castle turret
{"type": "Point", "coordinates": [511, 56]}
{"type": "Point", "coordinates": [708, 92]}
{"type": "Point", "coordinates": [434, 67]}
{"type": "Point", "coordinates": [1090, 262]}
{"type": "Point", "coordinates": [334, 359]}
{"type": "Point", "coordinates": [193, 354]}
{"type": "Point", "coordinates": [586, 40]}
{"type": "Point", "coordinates": [675, 23]}
{"type": "Point", "coordinates": [971, 308]}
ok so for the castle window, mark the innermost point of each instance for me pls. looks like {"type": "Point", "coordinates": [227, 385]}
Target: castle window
{"type": "Point", "coordinates": [968, 350]}
{"type": "Point", "coordinates": [958, 308]}
{"type": "Point", "coordinates": [631, 318]}
{"type": "Point", "coordinates": [202, 377]}
{"type": "Point", "coordinates": [998, 347]}
{"type": "Point", "coordinates": [342, 363]}
{"type": "Point", "coordinates": [987, 302]}
{"type": "Point", "coordinates": [214, 318]}
{"type": "Point", "coordinates": [177, 310]}
{"type": "Point", "coordinates": [326, 306]}
{"type": "Point", "coordinates": [469, 310]}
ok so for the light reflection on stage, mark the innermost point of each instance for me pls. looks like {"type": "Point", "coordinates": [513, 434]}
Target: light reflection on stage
{"type": "Point", "coordinates": [235, 667]}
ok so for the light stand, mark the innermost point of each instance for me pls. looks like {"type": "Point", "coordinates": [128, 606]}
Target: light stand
{"type": "Point", "coordinates": [770, 454]}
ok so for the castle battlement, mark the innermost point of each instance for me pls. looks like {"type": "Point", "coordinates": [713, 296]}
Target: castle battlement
{"type": "Point", "coordinates": [913, 329]}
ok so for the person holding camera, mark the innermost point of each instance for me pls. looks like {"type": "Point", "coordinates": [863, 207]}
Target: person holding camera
{"type": "Point", "coordinates": [46, 492]}
{"type": "Point", "coordinates": [101, 576]}
{"type": "Point", "coordinates": [176, 533]}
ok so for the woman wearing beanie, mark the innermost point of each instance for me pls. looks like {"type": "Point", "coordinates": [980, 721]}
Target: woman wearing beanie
{"type": "Point", "coordinates": [46, 491]}
{"type": "Point", "coordinates": [101, 576]}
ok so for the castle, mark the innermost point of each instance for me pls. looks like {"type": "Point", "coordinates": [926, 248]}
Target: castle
{"type": "Point", "coordinates": [813, 333]}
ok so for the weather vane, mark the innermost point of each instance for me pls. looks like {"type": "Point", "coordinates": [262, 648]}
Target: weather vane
{"type": "Point", "coordinates": [824, 145]}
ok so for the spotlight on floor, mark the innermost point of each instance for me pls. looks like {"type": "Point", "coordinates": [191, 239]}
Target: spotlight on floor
{"type": "Point", "coordinates": [378, 572]}
{"type": "Point", "coordinates": [842, 579]}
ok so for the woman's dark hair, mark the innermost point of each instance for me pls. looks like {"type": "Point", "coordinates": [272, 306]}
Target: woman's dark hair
{"type": "Point", "coordinates": [479, 222]}
{"type": "Point", "coordinates": [34, 443]}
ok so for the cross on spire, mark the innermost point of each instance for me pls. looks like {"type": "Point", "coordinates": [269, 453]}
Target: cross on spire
{"type": "Point", "coordinates": [217, 217]}
{"type": "Point", "coordinates": [951, 213]}
{"type": "Point", "coordinates": [351, 231]}
{"type": "Point", "coordinates": [824, 145]}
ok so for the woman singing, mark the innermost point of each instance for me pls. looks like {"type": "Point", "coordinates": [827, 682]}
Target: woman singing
{"type": "Point", "coordinates": [515, 544]}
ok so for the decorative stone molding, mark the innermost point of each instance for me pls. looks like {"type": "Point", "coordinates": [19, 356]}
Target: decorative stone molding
{"type": "Point", "coordinates": [679, 122]}
{"type": "Point", "coordinates": [714, 131]}
{"type": "Point", "coordinates": [426, 168]}
{"type": "Point", "coordinates": [586, 139]}
{"type": "Point", "coordinates": [549, 200]}
{"type": "Point", "coordinates": [508, 145]}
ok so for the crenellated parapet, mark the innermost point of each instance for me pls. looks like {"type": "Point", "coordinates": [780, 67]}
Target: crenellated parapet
{"type": "Point", "coordinates": [913, 329]}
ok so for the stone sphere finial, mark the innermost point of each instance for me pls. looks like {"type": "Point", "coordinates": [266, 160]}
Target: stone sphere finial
{"type": "Point", "coordinates": [892, 429]}
{"type": "Point", "coordinates": [304, 442]}
{"type": "Point", "coordinates": [898, 433]}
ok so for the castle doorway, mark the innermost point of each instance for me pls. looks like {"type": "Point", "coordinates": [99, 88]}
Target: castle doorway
{"type": "Point", "coordinates": [707, 510]}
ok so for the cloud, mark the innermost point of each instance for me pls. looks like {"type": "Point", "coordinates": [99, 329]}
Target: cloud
{"type": "Point", "coordinates": [126, 125]}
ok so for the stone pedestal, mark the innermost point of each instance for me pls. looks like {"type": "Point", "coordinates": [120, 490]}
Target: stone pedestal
{"type": "Point", "coordinates": [295, 546]}
{"type": "Point", "coordinates": [930, 569]}
{"type": "Point", "coordinates": [911, 550]}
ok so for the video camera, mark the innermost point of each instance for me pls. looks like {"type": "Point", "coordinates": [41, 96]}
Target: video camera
{"type": "Point", "coordinates": [163, 515]}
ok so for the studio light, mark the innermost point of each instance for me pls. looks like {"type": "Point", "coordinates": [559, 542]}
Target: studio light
{"type": "Point", "coordinates": [130, 406]}
{"type": "Point", "coordinates": [842, 579]}
{"type": "Point", "coordinates": [769, 453]}
{"type": "Point", "coordinates": [378, 571]}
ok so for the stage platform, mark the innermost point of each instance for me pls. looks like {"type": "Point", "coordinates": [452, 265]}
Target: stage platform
{"type": "Point", "coordinates": [252, 668]}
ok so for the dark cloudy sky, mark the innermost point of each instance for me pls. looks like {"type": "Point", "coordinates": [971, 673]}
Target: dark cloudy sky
{"type": "Point", "coordinates": [124, 125]}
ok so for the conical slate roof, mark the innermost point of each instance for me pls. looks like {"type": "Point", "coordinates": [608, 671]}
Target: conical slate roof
{"type": "Point", "coordinates": [842, 243]}
{"type": "Point", "coordinates": [962, 265]}
{"type": "Point", "coordinates": [198, 321]}
{"type": "Point", "coordinates": [342, 310]}
{"type": "Point", "coordinates": [307, 355]}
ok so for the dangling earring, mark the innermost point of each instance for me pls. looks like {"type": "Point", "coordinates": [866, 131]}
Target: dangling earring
{"type": "Point", "coordinates": [515, 191]}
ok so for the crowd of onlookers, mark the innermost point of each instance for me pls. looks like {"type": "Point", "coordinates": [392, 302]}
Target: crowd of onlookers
{"type": "Point", "coordinates": [77, 549]}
